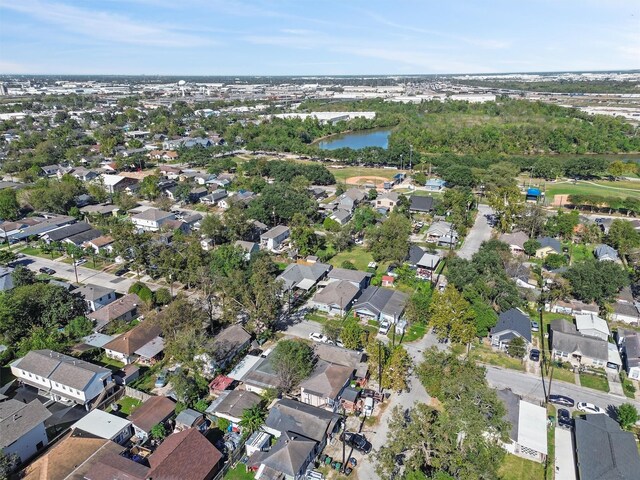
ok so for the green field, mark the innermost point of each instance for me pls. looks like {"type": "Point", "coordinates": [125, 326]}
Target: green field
{"type": "Point", "coordinates": [600, 188]}
{"type": "Point", "coordinates": [563, 375]}
{"type": "Point", "coordinates": [516, 468]}
{"type": "Point", "coordinates": [357, 255]}
{"type": "Point", "coordinates": [128, 405]}
{"type": "Point", "coordinates": [597, 382]}
{"type": "Point", "coordinates": [239, 472]}
{"type": "Point", "coordinates": [485, 354]}
{"type": "Point", "coordinates": [36, 252]}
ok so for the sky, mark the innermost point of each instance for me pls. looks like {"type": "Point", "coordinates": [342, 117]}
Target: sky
{"type": "Point", "coordinates": [317, 37]}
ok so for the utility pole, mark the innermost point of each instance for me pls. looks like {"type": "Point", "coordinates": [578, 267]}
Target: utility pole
{"type": "Point", "coordinates": [75, 267]}
{"type": "Point", "coordinates": [379, 367]}
{"type": "Point", "coordinates": [410, 155]}
{"type": "Point", "coordinates": [344, 431]}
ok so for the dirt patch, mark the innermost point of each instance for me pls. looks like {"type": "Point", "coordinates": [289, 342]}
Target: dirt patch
{"type": "Point", "coordinates": [364, 180]}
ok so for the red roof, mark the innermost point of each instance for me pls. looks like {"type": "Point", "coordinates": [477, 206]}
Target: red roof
{"type": "Point", "coordinates": [388, 278]}
{"type": "Point", "coordinates": [221, 382]}
{"type": "Point", "coordinates": [185, 455]}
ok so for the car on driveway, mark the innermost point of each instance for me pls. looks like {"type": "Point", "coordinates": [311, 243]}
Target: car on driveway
{"type": "Point", "coordinates": [562, 400]}
{"type": "Point", "coordinates": [161, 379]}
{"type": "Point", "coordinates": [357, 441]}
{"type": "Point", "coordinates": [587, 407]}
{"type": "Point", "coordinates": [534, 355]}
{"type": "Point", "coordinates": [535, 326]}
{"type": "Point", "coordinates": [318, 337]}
{"type": "Point", "coordinates": [121, 271]}
{"type": "Point", "coordinates": [564, 418]}
{"type": "Point", "coordinates": [80, 261]}
{"type": "Point", "coordinates": [47, 270]}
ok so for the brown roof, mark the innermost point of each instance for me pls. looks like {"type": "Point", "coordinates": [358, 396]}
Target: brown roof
{"type": "Point", "coordinates": [116, 309]}
{"type": "Point", "coordinates": [110, 466]}
{"type": "Point", "coordinates": [152, 412]}
{"type": "Point", "coordinates": [183, 455]}
{"type": "Point", "coordinates": [101, 241]}
{"type": "Point", "coordinates": [135, 338]}
{"type": "Point", "coordinates": [62, 461]}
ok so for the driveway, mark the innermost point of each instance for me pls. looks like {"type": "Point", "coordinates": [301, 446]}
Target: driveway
{"type": "Point", "coordinates": [565, 462]}
{"type": "Point", "coordinates": [480, 232]}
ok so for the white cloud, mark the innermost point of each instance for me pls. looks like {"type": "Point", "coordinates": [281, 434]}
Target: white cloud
{"type": "Point", "coordinates": [104, 26]}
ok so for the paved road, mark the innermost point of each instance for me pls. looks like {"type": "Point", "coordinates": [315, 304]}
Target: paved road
{"type": "Point", "coordinates": [530, 386]}
{"type": "Point", "coordinates": [85, 275]}
{"type": "Point", "coordinates": [565, 461]}
{"type": "Point", "coordinates": [480, 232]}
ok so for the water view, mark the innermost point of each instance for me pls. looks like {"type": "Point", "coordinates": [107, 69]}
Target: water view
{"type": "Point", "coordinates": [357, 140]}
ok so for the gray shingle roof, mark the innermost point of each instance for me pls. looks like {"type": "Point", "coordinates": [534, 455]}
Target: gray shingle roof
{"type": "Point", "coordinates": [587, 346]}
{"type": "Point", "coordinates": [551, 243]}
{"type": "Point", "coordinates": [327, 379]}
{"type": "Point", "coordinates": [515, 321]}
{"type": "Point", "coordinates": [605, 252]}
{"type": "Point", "coordinates": [68, 231]}
{"type": "Point", "coordinates": [296, 273]}
{"type": "Point", "coordinates": [288, 455]}
{"type": "Point", "coordinates": [93, 292]}
{"type": "Point", "coordinates": [512, 404]}
{"type": "Point", "coordinates": [340, 293]}
{"type": "Point", "coordinates": [349, 275]}
{"type": "Point", "coordinates": [382, 300]}
{"type": "Point", "coordinates": [604, 451]}
{"type": "Point", "coordinates": [234, 402]}
{"type": "Point", "coordinates": [297, 417]}
{"type": "Point", "coordinates": [17, 419]}
{"type": "Point", "coordinates": [421, 203]}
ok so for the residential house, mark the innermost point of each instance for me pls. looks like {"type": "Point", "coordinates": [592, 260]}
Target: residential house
{"type": "Point", "coordinates": [629, 345]}
{"type": "Point", "coordinates": [214, 197]}
{"type": "Point", "coordinates": [186, 142]}
{"type": "Point", "coordinates": [341, 216]}
{"type": "Point", "coordinates": [63, 378]}
{"type": "Point", "coordinates": [424, 262]}
{"type": "Point", "coordinates": [85, 174]}
{"type": "Point", "coordinates": [80, 239]}
{"type": "Point", "coordinates": [249, 248]}
{"type": "Point", "coordinates": [31, 227]}
{"type": "Point", "coordinates": [272, 239]}
{"type": "Point", "coordinates": [101, 424]}
{"type": "Point", "coordinates": [606, 253]}
{"type": "Point", "coordinates": [289, 458]}
{"type": "Point", "coordinates": [420, 204]}
{"type": "Point", "coordinates": [22, 429]}
{"type": "Point", "coordinates": [61, 233]}
{"type": "Point", "coordinates": [548, 246]}
{"type": "Point", "coordinates": [603, 450]}
{"type": "Point", "coordinates": [124, 309]}
{"type": "Point", "coordinates": [231, 404]}
{"type": "Point", "coordinates": [435, 185]}
{"type": "Point", "coordinates": [82, 200]}
{"type": "Point", "coordinates": [336, 298]}
{"type": "Point", "coordinates": [220, 384]}
{"type": "Point", "coordinates": [350, 199]}
{"type": "Point", "coordinates": [224, 347]}
{"type": "Point", "coordinates": [100, 245]}
{"type": "Point", "coordinates": [152, 412]}
{"type": "Point", "coordinates": [511, 324]}
{"type": "Point", "coordinates": [6, 278]}
{"type": "Point", "coordinates": [190, 418]}
{"type": "Point", "coordinates": [592, 325]}
{"type": "Point", "coordinates": [528, 433]}
{"type": "Point", "coordinates": [116, 183]}
{"type": "Point", "coordinates": [142, 343]}
{"type": "Point", "coordinates": [567, 345]}
{"type": "Point", "coordinates": [355, 360]}
{"type": "Point", "coordinates": [96, 296]}
{"type": "Point", "coordinates": [152, 219]}
{"type": "Point", "coordinates": [303, 276]}
{"type": "Point", "coordinates": [325, 384]}
{"type": "Point", "coordinates": [256, 373]}
{"type": "Point", "coordinates": [186, 454]}
{"type": "Point", "coordinates": [387, 200]}
{"type": "Point", "coordinates": [355, 277]}
{"type": "Point", "coordinates": [626, 309]}
{"type": "Point", "coordinates": [166, 156]}
{"type": "Point", "coordinates": [381, 304]}
{"type": "Point", "coordinates": [100, 210]}
{"type": "Point", "coordinates": [442, 233]}
{"type": "Point", "coordinates": [515, 240]}
{"type": "Point", "coordinates": [197, 193]}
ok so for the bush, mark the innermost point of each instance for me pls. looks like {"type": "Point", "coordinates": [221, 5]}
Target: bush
{"type": "Point", "coordinates": [144, 292]}
{"type": "Point", "coordinates": [223, 424]}
{"type": "Point", "coordinates": [162, 296]}
{"type": "Point", "coordinates": [348, 265]}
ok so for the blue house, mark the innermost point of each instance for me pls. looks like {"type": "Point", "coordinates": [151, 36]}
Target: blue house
{"type": "Point", "coordinates": [435, 184]}
{"type": "Point", "coordinates": [533, 195]}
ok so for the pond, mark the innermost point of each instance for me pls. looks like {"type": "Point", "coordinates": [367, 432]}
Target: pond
{"type": "Point", "coordinates": [357, 140]}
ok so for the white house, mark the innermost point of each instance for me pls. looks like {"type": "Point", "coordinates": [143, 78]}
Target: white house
{"type": "Point", "coordinates": [101, 424]}
{"type": "Point", "coordinates": [22, 430]}
{"type": "Point", "coordinates": [591, 325]}
{"type": "Point", "coordinates": [152, 219]}
{"type": "Point", "coordinates": [272, 239]}
{"type": "Point", "coordinates": [629, 343]}
{"type": "Point", "coordinates": [96, 296]}
{"type": "Point", "coordinates": [61, 377]}
{"type": "Point", "coordinates": [528, 434]}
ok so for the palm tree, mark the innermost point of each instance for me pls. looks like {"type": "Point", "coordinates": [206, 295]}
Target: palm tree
{"type": "Point", "coordinates": [253, 418]}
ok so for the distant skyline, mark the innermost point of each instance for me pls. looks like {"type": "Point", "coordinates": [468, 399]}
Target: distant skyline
{"type": "Point", "coordinates": [321, 37]}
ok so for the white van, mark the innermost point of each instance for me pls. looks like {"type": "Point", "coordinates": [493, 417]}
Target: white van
{"type": "Point", "coordinates": [368, 406]}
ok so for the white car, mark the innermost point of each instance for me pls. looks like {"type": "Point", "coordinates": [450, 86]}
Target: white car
{"type": "Point", "coordinates": [589, 408]}
{"type": "Point", "coordinates": [318, 337]}
{"type": "Point", "coordinates": [79, 262]}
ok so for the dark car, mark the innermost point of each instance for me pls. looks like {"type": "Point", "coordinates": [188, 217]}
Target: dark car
{"type": "Point", "coordinates": [564, 418]}
{"type": "Point", "coordinates": [534, 355]}
{"type": "Point", "coordinates": [47, 270]}
{"type": "Point", "coordinates": [357, 441]}
{"type": "Point", "coordinates": [562, 400]}
{"type": "Point", "coordinates": [121, 271]}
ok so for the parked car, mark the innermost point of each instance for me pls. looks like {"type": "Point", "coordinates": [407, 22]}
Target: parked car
{"type": "Point", "coordinates": [368, 406]}
{"type": "Point", "coordinates": [47, 270]}
{"type": "Point", "coordinates": [535, 326]}
{"type": "Point", "coordinates": [534, 355]}
{"type": "Point", "coordinates": [357, 441]}
{"type": "Point", "coordinates": [80, 261]}
{"type": "Point", "coordinates": [384, 327]}
{"type": "Point", "coordinates": [161, 379]}
{"type": "Point", "coordinates": [121, 271]}
{"type": "Point", "coordinates": [318, 337]}
{"type": "Point", "coordinates": [587, 407]}
{"type": "Point", "coordinates": [562, 400]}
{"type": "Point", "coordinates": [564, 418]}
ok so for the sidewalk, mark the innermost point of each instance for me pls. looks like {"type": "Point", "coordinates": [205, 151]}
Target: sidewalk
{"type": "Point", "coordinates": [615, 385]}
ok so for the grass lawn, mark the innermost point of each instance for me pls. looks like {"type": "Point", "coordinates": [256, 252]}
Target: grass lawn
{"type": "Point", "coordinates": [484, 353]}
{"type": "Point", "coordinates": [596, 382]}
{"type": "Point", "coordinates": [581, 252]}
{"type": "Point", "coordinates": [110, 363]}
{"type": "Point", "coordinates": [551, 443]}
{"type": "Point", "coordinates": [414, 332]}
{"type": "Point", "coordinates": [239, 472]}
{"type": "Point", "coordinates": [629, 389]}
{"type": "Point", "coordinates": [316, 317]}
{"type": "Point", "coordinates": [516, 468]}
{"type": "Point", "coordinates": [563, 375]}
{"type": "Point", "coordinates": [36, 252]}
{"type": "Point", "coordinates": [603, 189]}
{"type": "Point", "coordinates": [342, 174]}
{"type": "Point", "coordinates": [357, 255]}
{"type": "Point", "coordinates": [128, 405]}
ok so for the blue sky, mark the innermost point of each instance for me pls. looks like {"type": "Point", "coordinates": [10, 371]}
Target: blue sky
{"type": "Point", "coordinates": [323, 37]}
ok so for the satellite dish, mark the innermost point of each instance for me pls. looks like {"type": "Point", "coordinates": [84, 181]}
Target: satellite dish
{"type": "Point", "coordinates": [181, 83]}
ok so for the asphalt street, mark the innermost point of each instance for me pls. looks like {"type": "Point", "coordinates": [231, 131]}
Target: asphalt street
{"type": "Point", "coordinates": [480, 232]}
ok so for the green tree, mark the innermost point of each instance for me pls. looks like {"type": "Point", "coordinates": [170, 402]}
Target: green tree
{"type": "Point", "coordinates": [352, 334]}
{"type": "Point", "coordinates": [149, 187]}
{"type": "Point", "coordinates": [158, 431]}
{"type": "Point", "coordinates": [6, 257]}
{"type": "Point", "coordinates": [396, 373]}
{"type": "Point", "coordinates": [451, 316]}
{"type": "Point", "coordinates": [332, 331]}
{"type": "Point", "coordinates": [372, 194]}
{"type": "Point", "coordinates": [9, 207]}
{"type": "Point", "coordinates": [253, 418]}
{"type": "Point", "coordinates": [508, 203]}
{"type": "Point", "coordinates": [78, 327]}
{"type": "Point", "coordinates": [390, 241]}
{"type": "Point", "coordinates": [531, 246]}
{"type": "Point", "coordinates": [592, 280]}
{"type": "Point", "coordinates": [623, 236]}
{"type": "Point", "coordinates": [517, 348]}
{"type": "Point", "coordinates": [162, 296]}
{"type": "Point", "coordinates": [212, 227]}
{"type": "Point", "coordinates": [8, 463]}
{"type": "Point", "coordinates": [627, 416]}
{"type": "Point", "coordinates": [554, 261]}
{"type": "Point", "coordinates": [292, 360]}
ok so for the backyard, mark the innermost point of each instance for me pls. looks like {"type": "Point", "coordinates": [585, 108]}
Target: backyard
{"type": "Point", "coordinates": [485, 354]}
{"type": "Point", "coordinates": [597, 382]}
{"type": "Point", "coordinates": [357, 255]}
{"type": "Point", "coordinates": [239, 472]}
{"type": "Point", "coordinates": [516, 468]}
